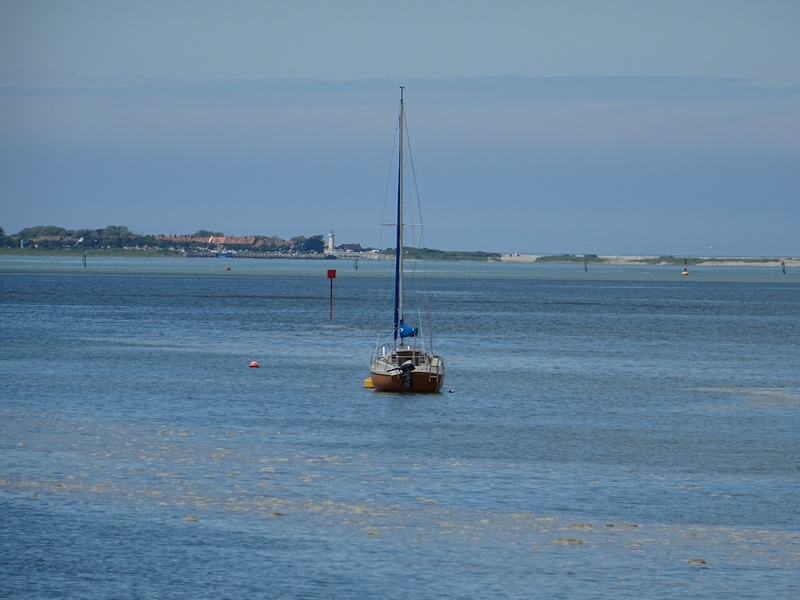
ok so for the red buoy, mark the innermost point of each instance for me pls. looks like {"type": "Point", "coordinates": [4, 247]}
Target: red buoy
{"type": "Point", "coordinates": [254, 365]}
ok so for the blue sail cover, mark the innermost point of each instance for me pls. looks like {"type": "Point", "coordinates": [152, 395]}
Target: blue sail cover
{"type": "Point", "coordinates": [406, 331]}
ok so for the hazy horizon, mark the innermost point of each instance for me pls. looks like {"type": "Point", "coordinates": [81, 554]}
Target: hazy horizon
{"type": "Point", "coordinates": [536, 127]}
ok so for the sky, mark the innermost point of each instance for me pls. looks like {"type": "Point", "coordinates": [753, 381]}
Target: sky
{"type": "Point", "coordinates": [536, 126]}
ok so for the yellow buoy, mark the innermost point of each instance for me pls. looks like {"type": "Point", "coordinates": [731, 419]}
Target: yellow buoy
{"type": "Point", "coordinates": [368, 383]}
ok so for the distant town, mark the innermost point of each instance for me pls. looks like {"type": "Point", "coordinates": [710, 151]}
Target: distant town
{"type": "Point", "coordinates": [210, 244]}
{"type": "Point", "coordinates": [206, 243]}
{"type": "Point", "coordinates": [200, 243]}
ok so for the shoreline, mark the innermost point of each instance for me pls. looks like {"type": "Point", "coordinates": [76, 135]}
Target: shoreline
{"type": "Point", "coordinates": [594, 260]}
{"type": "Point", "coordinates": [641, 260]}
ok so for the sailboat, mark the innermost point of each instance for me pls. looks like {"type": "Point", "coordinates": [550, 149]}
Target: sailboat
{"type": "Point", "coordinates": [403, 363]}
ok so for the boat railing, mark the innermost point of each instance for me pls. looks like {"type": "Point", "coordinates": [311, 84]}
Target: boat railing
{"type": "Point", "coordinates": [417, 357]}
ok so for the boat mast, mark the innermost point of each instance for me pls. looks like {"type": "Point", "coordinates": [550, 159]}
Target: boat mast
{"type": "Point", "coordinates": [398, 259]}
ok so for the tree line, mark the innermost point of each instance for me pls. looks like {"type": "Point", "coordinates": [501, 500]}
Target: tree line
{"type": "Point", "coordinates": [119, 237]}
{"type": "Point", "coordinates": [51, 237]}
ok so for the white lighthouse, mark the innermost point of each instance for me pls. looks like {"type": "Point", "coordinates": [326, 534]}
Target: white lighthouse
{"type": "Point", "coordinates": [330, 241]}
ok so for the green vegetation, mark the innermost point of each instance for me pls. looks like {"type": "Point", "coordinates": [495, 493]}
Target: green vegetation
{"type": "Point", "coordinates": [593, 258]}
{"type": "Point", "coordinates": [118, 239]}
{"type": "Point", "coordinates": [313, 244]}
{"type": "Point", "coordinates": [647, 260]}
{"type": "Point", "coordinates": [667, 260]}
{"type": "Point", "coordinates": [50, 238]}
{"type": "Point", "coordinates": [674, 260]}
{"type": "Point", "coordinates": [570, 258]}
{"type": "Point", "coordinates": [431, 255]}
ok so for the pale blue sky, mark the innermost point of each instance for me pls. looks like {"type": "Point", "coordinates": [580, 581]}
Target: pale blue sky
{"type": "Point", "coordinates": [574, 126]}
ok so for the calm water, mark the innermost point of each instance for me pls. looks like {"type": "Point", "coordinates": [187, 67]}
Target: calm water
{"type": "Point", "coordinates": [624, 433]}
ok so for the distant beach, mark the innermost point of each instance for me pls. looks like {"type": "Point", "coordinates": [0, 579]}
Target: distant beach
{"type": "Point", "coordinates": [633, 259]}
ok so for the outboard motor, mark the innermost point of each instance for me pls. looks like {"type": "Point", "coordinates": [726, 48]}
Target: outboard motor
{"type": "Point", "coordinates": [405, 373]}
